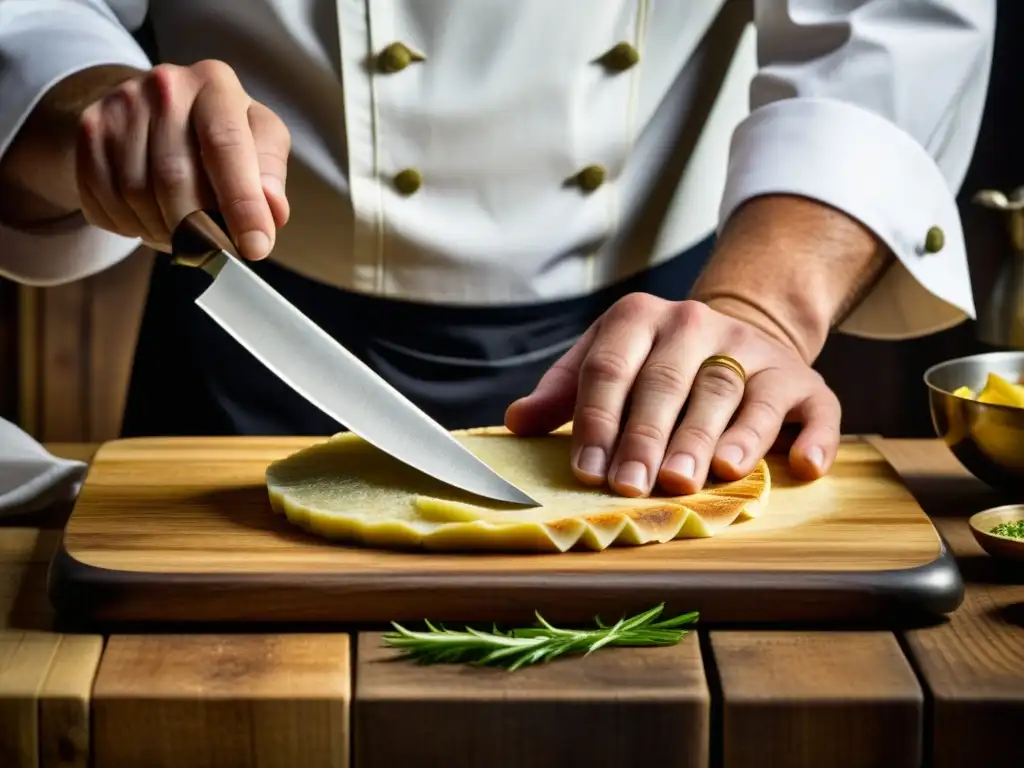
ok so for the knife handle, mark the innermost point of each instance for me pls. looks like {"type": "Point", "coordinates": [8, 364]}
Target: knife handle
{"type": "Point", "coordinates": [199, 237]}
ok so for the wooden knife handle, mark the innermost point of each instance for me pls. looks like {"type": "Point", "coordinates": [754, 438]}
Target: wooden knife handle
{"type": "Point", "coordinates": [200, 235]}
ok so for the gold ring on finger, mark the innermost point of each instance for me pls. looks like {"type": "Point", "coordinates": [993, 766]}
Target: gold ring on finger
{"type": "Point", "coordinates": [724, 361]}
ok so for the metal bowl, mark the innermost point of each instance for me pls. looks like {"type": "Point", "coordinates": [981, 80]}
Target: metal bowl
{"type": "Point", "coordinates": [987, 439]}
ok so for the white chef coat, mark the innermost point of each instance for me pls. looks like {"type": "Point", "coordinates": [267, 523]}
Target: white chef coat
{"type": "Point", "coordinates": [871, 106]}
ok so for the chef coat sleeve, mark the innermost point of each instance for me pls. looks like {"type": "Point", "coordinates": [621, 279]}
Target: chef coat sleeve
{"type": "Point", "coordinates": [873, 107]}
{"type": "Point", "coordinates": [41, 43]}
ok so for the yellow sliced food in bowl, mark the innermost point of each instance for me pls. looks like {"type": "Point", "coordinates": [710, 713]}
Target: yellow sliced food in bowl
{"type": "Point", "coordinates": [999, 391]}
{"type": "Point", "coordinates": [345, 489]}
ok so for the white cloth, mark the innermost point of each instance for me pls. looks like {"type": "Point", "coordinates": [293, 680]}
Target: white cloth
{"type": "Point", "coordinates": [872, 106]}
{"type": "Point", "coordinates": [31, 477]}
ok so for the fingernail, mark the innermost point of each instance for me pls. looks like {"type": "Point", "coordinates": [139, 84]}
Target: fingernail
{"type": "Point", "coordinates": [816, 456]}
{"type": "Point", "coordinates": [681, 465]}
{"type": "Point", "coordinates": [592, 460]}
{"type": "Point", "coordinates": [254, 244]}
{"type": "Point", "coordinates": [632, 474]}
{"type": "Point", "coordinates": [731, 454]}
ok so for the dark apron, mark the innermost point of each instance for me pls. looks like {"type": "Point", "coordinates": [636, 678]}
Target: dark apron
{"type": "Point", "coordinates": [461, 365]}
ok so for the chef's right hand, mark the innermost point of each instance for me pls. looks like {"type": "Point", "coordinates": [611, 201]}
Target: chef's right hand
{"type": "Point", "coordinates": [175, 139]}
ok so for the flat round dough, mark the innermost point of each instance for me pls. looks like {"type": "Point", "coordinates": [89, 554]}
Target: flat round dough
{"type": "Point", "coordinates": [347, 490]}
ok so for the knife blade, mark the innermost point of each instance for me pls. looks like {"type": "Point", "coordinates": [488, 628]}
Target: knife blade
{"type": "Point", "coordinates": [321, 370]}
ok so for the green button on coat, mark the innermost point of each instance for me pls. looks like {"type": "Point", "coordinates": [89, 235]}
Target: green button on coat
{"type": "Point", "coordinates": [621, 57]}
{"type": "Point", "coordinates": [408, 181]}
{"type": "Point", "coordinates": [395, 58]}
{"type": "Point", "coordinates": [590, 178]}
{"type": "Point", "coordinates": [934, 240]}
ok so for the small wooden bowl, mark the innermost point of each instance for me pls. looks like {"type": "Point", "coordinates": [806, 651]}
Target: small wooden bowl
{"type": "Point", "coordinates": [998, 546]}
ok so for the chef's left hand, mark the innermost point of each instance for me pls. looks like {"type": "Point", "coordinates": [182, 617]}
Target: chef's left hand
{"type": "Point", "coordinates": [627, 379]}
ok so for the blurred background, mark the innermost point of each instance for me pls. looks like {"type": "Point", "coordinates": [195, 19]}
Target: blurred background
{"type": "Point", "coordinates": [66, 352]}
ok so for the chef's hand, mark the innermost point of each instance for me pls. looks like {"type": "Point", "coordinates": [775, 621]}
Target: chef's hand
{"type": "Point", "coordinates": [627, 379]}
{"type": "Point", "coordinates": [173, 139]}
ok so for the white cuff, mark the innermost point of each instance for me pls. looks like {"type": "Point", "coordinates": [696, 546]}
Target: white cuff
{"type": "Point", "coordinates": [60, 255]}
{"type": "Point", "coordinates": [860, 163]}
{"type": "Point", "coordinates": [43, 46]}
{"type": "Point", "coordinates": [40, 47]}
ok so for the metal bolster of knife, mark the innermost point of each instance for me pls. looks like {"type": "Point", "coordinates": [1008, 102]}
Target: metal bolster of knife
{"type": "Point", "coordinates": [200, 241]}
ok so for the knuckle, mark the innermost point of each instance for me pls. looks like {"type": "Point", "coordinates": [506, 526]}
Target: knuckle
{"type": "Point", "coordinates": [124, 102]}
{"type": "Point", "coordinates": [129, 91]}
{"type": "Point", "coordinates": [738, 334]}
{"type": "Point", "coordinates": [172, 87]}
{"type": "Point", "coordinates": [690, 313]}
{"type": "Point", "coordinates": [166, 74]}
{"type": "Point", "coordinates": [634, 305]}
{"type": "Point", "coordinates": [647, 433]}
{"type": "Point", "coordinates": [132, 187]}
{"type": "Point", "coordinates": [246, 214]}
{"type": "Point", "coordinates": [597, 416]}
{"type": "Point", "coordinates": [720, 383]}
{"type": "Point", "coordinates": [172, 171]}
{"type": "Point", "coordinates": [662, 377]}
{"type": "Point", "coordinates": [605, 364]}
{"type": "Point", "coordinates": [214, 69]}
{"type": "Point", "coordinates": [90, 123]}
{"type": "Point", "coordinates": [224, 133]}
{"type": "Point", "coordinates": [697, 434]}
{"type": "Point", "coordinates": [747, 434]}
{"type": "Point", "coordinates": [763, 411]}
{"type": "Point", "coordinates": [272, 162]}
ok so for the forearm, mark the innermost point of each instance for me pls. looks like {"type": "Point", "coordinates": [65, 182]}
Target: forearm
{"type": "Point", "coordinates": [792, 267]}
{"type": "Point", "coordinates": [37, 173]}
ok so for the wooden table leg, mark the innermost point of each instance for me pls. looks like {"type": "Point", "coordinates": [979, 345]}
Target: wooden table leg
{"type": "Point", "coordinates": [274, 701]}
{"type": "Point", "coordinates": [973, 664]}
{"type": "Point", "coordinates": [633, 707]}
{"type": "Point", "coordinates": [816, 699]}
{"type": "Point", "coordinates": [45, 676]}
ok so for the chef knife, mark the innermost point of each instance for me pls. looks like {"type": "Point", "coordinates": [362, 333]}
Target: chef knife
{"type": "Point", "coordinates": [322, 370]}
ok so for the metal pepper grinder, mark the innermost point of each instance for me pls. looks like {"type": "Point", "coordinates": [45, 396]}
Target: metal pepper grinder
{"type": "Point", "coordinates": [1001, 322]}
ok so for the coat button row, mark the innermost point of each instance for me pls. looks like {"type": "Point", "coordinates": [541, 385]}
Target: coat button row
{"type": "Point", "coordinates": [397, 56]}
{"type": "Point", "coordinates": [409, 180]}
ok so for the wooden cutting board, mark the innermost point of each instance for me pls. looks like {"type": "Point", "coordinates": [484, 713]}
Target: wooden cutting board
{"type": "Point", "coordinates": [180, 529]}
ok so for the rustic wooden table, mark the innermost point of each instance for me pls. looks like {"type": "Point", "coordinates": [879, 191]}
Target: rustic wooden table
{"type": "Point", "coordinates": [947, 695]}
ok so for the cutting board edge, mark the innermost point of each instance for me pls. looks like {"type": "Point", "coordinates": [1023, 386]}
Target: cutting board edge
{"type": "Point", "coordinates": [89, 593]}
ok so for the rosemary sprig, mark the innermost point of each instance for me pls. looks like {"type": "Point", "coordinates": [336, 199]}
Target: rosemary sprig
{"type": "Point", "coordinates": [518, 648]}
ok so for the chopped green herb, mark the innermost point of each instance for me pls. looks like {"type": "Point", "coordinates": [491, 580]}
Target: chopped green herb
{"type": "Point", "coordinates": [1013, 530]}
{"type": "Point", "coordinates": [518, 648]}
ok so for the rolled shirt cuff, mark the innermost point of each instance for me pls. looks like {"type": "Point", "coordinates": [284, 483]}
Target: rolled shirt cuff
{"type": "Point", "coordinates": [862, 164]}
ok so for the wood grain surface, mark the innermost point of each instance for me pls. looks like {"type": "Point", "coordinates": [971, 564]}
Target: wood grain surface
{"type": "Point", "coordinates": [24, 661]}
{"type": "Point", "coordinates": [65, 703]}
{"type": "Point", "coordinates": [634, 707]}
{"type": "Point", "coordinates": [812, 699]}
{"type": "Point", "coordinates": [973, 664]}
{"type": "Point", "coordinates": [25, 555]}
{"type": "Point", "coordinates": [76, 343]}
{"type": "Point", "coordinates": [181, 529]}
{"type": "Point", "coordinates": [274, 701]}
{"type": "Point", "coordinates": [968, 668]}
{"type": "Point", "coordinates": [45, 676]}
